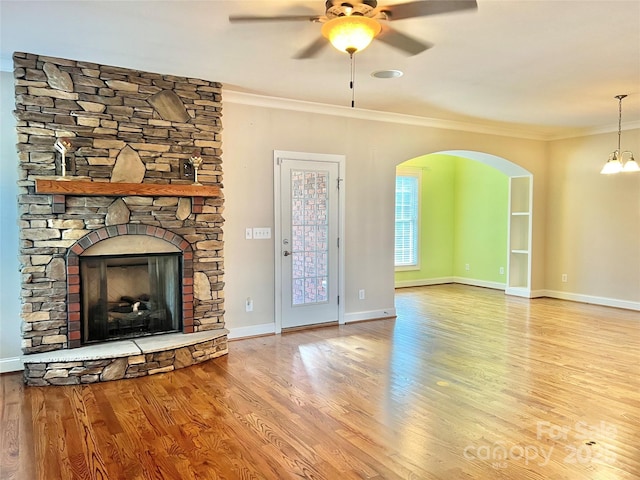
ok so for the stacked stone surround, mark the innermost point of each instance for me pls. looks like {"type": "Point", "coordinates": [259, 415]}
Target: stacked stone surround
{"type": "Point", "coordinates": [124, 126]}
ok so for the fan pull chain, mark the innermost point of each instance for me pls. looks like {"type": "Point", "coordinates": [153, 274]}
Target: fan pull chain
{"type": "Point", "coordinates": [352, 82]}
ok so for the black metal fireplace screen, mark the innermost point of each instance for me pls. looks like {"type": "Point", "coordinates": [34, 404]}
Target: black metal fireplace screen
{"type": "Point", "coordinates": [128, 296]}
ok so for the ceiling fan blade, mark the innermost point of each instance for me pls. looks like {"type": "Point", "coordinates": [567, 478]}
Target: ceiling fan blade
{"type": "Point", "coordinates": [313, 49]}
{"type": "Point", "coordinates": [424, 8]}
{"type": "Point", "coordinates": [283, 18]}
{"type": "Point", "coordinates": [401, 41]}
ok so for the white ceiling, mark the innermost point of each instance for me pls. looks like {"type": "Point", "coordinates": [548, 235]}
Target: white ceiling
{"type": "Point", "coordinates": [546, 66]}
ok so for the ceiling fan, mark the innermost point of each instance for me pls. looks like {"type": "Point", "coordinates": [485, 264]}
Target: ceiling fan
{"type": "Point", "coordinates": [362, 18]}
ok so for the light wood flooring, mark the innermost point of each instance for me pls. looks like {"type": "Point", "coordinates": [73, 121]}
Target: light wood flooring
{"type": "Point", "coordinates": [466, 383]}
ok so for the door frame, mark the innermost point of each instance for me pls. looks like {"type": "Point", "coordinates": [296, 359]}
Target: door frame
{"type": "Point", "coordinates": [277, 234]}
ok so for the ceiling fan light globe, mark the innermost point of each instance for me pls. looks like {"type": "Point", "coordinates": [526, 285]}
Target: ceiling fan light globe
{"type": "Point", "coordinates": [351, 33]}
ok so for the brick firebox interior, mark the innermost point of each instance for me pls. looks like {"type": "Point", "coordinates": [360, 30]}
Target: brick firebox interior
{"type": "Point", "coordinates": [127, 137]}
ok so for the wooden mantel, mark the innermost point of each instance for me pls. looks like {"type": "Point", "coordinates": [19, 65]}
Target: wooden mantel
{"type": "Point", "coordinates": [106, 189]}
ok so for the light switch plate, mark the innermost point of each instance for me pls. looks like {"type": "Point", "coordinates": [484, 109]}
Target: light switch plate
{"type": "Point", "coordinates": [261, 233]}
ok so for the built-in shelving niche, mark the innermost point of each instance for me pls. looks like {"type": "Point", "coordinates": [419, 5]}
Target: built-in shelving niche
{"type": "Point", "coordinates": [520, 217]}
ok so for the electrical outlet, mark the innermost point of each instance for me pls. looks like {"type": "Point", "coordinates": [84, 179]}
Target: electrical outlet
{"type": "Point", "coordinates": [248, 233]}
{"type": "Point", "coordinates": [248, 305]}
{"type": "Point", "coordinates": [361, 294]}
{"type": "Point", "coordinates": [466, 266]}
{"type": "Point", "coordinates": [501, 270]}
{"type": "Point", "coordinates": [564, 278]}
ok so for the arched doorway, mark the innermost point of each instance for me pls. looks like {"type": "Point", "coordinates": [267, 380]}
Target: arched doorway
{"type": "Point", "coordinates": [475, 215]}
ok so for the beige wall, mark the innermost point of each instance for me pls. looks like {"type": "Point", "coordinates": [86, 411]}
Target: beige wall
{"type": "Point", "coordinates": [593, 227]}
{"type": "Point", "coordinates": [372, 151]}
{"type": "Point", "coordinates": [577, 212]}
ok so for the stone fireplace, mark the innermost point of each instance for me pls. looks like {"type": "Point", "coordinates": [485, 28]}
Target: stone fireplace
{"type": "Point", "coordinates": [118, 244]}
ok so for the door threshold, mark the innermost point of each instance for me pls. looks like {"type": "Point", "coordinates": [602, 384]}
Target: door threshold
{"type": "Point", "coordinates": [310, 327]}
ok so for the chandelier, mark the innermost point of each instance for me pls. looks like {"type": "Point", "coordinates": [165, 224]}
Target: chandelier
{"type": "Point", "coordinates": [620, 161]}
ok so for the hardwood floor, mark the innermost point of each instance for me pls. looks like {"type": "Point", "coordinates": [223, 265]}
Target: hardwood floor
{"type": "Point", "coordinates": [466, 383]}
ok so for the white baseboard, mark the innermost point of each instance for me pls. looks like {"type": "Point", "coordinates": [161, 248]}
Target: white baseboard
{"type": "Point", "coordinates": [480, 283]}
{"type": "Point", "coordinates": [369, 315]}
{"type": "Point", "coordinates": [425, 282]}
{"type": "Point", "coordinates": [518, 292]}
{"type": "Point", "coordinates": [604, 301]}
{"type": "Point", "coordinates": [442, 280]}
{"type": "Point", "coordinates": [270, 328]}
{"type": "Point", "coordinates": [522, 292]}
{"type": "Point", "coordinates": [252, 331]}
{"type": "Point", "coordinates": [525, 292]}
{"type": "Point", "coordinates": [11, 364]}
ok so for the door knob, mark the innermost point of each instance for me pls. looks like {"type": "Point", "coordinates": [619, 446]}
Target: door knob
{"type": "Point", "coordinates": [287, 253]}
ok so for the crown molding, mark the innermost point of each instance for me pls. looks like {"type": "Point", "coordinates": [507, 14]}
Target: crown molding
{"type": "Point", "coordinates": [583, 132]}
{"type": "Point", "coordinates": [234, 96]}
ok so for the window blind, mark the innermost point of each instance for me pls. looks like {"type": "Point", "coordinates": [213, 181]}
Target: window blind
{"type": "Point", "coordinates": [406, 224]}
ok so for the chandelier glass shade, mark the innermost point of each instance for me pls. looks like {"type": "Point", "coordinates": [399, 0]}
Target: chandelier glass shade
{"type": "Point", "coordinates": [620, 162]}
{"type": "Point", "coordinates": [351, 33]}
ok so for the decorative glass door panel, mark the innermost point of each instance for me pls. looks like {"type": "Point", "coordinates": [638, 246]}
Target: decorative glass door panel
{"type": "Point", "coordinates": [309, 228]}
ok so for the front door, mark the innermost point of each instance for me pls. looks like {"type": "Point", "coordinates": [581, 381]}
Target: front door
{"type": "Point", "coordinates": [307, 249]}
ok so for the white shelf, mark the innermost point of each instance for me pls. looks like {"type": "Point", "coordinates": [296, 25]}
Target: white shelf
{"type": "Point", "coordinates": [519, 267]}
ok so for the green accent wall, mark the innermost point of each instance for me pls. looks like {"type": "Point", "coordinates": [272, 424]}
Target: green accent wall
{"type": "Point", "coordinates": [464, 211]}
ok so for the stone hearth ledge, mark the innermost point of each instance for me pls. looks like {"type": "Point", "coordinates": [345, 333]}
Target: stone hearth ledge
{"type": "Point", "coordinates": [124, 359]}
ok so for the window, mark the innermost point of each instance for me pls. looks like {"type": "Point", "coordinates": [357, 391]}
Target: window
{"type": "Point", "coordinates": [407, 219]}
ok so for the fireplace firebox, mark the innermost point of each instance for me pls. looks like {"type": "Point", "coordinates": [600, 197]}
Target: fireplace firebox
{"type": "Point", "coordinates": [125, 296]}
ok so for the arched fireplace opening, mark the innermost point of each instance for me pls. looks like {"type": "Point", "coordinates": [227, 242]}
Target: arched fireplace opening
{"type": "Point", "coordinates": [129, 282]}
